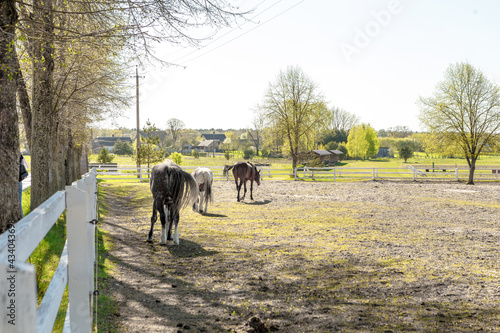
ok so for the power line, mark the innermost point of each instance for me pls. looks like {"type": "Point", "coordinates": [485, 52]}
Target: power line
{"type": "Point", "coordinates": [241, 35]}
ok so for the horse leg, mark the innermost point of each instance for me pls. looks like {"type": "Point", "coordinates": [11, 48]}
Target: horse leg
{"type": "Point", "coordinates": [163, 219]}
{"type": "Point", "coordinates": [154, 217]}
{"type": "Point", "coordinates": [206, 200]}
{"type": "Point", "coordinates": [176, 232]}
{"type": "Point", "coordinates": [245, 187]}
{"type": "Point", "coordinates": [200, 202]}
{"type": "Point", "coordinates": [251, 189]}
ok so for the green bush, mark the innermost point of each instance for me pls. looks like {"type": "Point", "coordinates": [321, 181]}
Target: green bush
{"type": "Point", "coordinates": [248, 153]}
{"type": "Point", "coordinates": [227, 155]}
{"type": "Point", "coordinates": [176, 157]}
{"type": "Point", "coordinates": [195, 153]}
{"type": "Point", "coordinates": [105, 156]}
{"type": "Point", "coordinates": [264, 152]}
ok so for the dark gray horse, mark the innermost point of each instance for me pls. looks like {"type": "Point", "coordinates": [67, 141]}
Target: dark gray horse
{"type": "Point", "coordinates": [172, 189]}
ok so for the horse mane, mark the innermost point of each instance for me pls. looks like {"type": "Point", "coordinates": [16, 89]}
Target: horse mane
{"type": "Point", "coordinates": [172, 184]}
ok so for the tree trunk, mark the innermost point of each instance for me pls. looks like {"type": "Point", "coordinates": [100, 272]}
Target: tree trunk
{"type": "Point", "coordinates": [472, 168]}
{"type": "Point", "coordinates": [9, 126]}
{"type": "Point", "coordinates": [42, 110]}
{"type": "Point", "coordinates": [24, 101]}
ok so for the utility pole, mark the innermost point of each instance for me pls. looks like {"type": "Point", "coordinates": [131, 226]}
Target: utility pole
{"type": "Point", "coordinates": [138, 135]}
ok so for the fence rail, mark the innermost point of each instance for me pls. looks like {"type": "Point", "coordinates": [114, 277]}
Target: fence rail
{"type": "Point", "coordinates": [444, 172]}
{"type": "Point", "coordinates": [75, 269]}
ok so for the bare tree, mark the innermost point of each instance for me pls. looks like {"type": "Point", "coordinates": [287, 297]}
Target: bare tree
{"type": "Point", "coordinates": [175, 126]}
{"type": "Point", "coordinates": [343, 120]}
{"type": "Point", "coordinates": [258, 122]}
{"type": "Point", "coordinates": [465, 109]}
{"type": "Point", "coordinates": [294, 107]}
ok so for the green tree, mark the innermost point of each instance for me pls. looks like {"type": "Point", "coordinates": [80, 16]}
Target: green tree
{"type": "Point", "coordinates": [342, 147]}
{"type": "Point", "coordinates": [294, 109]}
{"type": "Point", "coordinates": [122, 148]}
{"type": "Point", "coordinates": [464, 109]}
{"type": "Point", "coordinates": [405, 150]}
{"type": "Point", "coordinates": [150, 153]}
{"type": "Point", "coordinates": [362, 141]}
{"type": "Point", "coordinates": [372, 139]}
{"type": "Point", "coordinates": [104, 156]}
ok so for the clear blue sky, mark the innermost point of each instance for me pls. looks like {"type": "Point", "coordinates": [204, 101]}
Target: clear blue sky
{"type": "Point", "coordinates": [371, 58]}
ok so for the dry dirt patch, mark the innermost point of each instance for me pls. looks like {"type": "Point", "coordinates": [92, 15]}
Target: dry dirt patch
{"type": "Point", "coordinates": [311, 257]}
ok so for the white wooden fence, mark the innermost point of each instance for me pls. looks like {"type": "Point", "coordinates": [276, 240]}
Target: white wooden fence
{"type": "Point", "coordinates": [456, 173]}
{"type": "Point", "coordinates": [128, 172]}
{"type": "Point", "coordinates": [18, 292]}
{"type": "Point", "coordinates": [408, 173]}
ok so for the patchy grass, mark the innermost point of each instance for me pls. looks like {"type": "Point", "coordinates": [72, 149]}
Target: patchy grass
{"type": "Point", "coordinates": [317, 258]}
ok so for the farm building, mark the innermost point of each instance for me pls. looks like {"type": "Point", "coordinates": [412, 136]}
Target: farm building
{"type": "Point", "coordinates": [208, 145]}
{"type": "Point", "coordinates": [384, 152]}
{"type": "Point", "coordinates": [219, 137]}
{"type": "Point", "coordinates": [325, 156]}
{"type": "Point", "coordinates": [107, 142]}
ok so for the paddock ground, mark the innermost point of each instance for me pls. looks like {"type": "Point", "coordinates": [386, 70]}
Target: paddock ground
{"type": "Point", "coordinates": [309, 257]}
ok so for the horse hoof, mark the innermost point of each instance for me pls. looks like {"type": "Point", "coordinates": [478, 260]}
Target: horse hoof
{"type": "Point", "coordinates": [149, 240]}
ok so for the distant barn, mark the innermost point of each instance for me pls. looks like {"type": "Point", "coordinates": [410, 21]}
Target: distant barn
{"type": "Point", "coordinates": [107, 142]}
{"type": "Point", "coordinates": [326, 157]}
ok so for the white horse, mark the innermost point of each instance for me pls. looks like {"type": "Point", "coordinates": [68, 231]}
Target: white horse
{"type": "Point", "coordinates": [204, 177]}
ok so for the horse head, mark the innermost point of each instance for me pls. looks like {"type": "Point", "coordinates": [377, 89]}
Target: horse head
{"type": "Point", "coordinates": [256, 176]}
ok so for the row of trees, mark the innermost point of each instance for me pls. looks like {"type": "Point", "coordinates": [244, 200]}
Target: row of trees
{"type": "Point", "coordinates": [67, 63]}
{"type": "Point", "coordinates": [463, 117]}
{"type": "Point", "coordinates": [464, 111]}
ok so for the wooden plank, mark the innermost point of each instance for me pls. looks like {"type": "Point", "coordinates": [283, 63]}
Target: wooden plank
{"type": "Point", "coordinates": [32, 229]}
{"type": "Point", "coordinates": [78, 285]}
{"type": "Point", "coordinates": [49, 307]}
{"type": "Point", "coordinates": [19, 298]}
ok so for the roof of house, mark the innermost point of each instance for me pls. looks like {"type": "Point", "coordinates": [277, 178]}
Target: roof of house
{"type": "Point", "coordinates": [322, 152]}
{"type": "Point", "coordinates": [110, 140]}
{"type": "Point", "coordinates": [207, 143]}
{"type": "Point", "coordinates": [211, 136]}
{"type": "Point", "coordinates": [337, 152]}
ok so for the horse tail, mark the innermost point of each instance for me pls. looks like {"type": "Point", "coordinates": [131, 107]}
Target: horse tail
{"type": "Point", "coordinates": [208, 189]}
{"type": "Point", "coordinates": [187, 190]}
{"type": "Point", "coordinates": [226, 169]}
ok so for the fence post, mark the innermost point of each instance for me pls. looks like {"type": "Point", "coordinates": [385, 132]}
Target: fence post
{"type": "Point", "coordinates": [19, 310]}
{"type": "Point", "coordinates": [140, 174]}
{"type": "Point", "coordinates": [79, 286]}
{"type": "Point", "coordinates": [334, 174]}
{"type": "Point", "coordinates": [373, 174]}
{"type": "Point", "coordinates": [414, 174]}
{"type": "Point", "coordinates": [456, 174]}
{"type": "Point", "coordinates": [295, 173]}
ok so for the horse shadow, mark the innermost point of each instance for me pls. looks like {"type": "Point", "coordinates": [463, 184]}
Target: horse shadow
{"type": "Point", "coordinates": [213, 215]}
{"type": "Point", "coordinates": [187, 249]}
{"type": "Point", "coordinates": [257, 203]}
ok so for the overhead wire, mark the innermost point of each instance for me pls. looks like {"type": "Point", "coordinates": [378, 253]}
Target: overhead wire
{"type": "Point", "coordinates": [239, 36]}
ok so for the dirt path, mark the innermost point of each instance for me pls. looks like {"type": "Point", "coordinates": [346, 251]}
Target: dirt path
{"type": "Point", "coordinates": [311, 257]}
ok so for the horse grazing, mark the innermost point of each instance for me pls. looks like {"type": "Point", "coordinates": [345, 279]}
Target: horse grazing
{"type": "Point", "coordinates": [172, 189]}
{"type": "Point", "coordinates": [204, 177]}
{"type": "Point", "coordinates": [244, 171]}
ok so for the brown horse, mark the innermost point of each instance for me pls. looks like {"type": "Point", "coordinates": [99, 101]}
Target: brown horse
{"type": "Point", "coordinates": [244, 171]}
